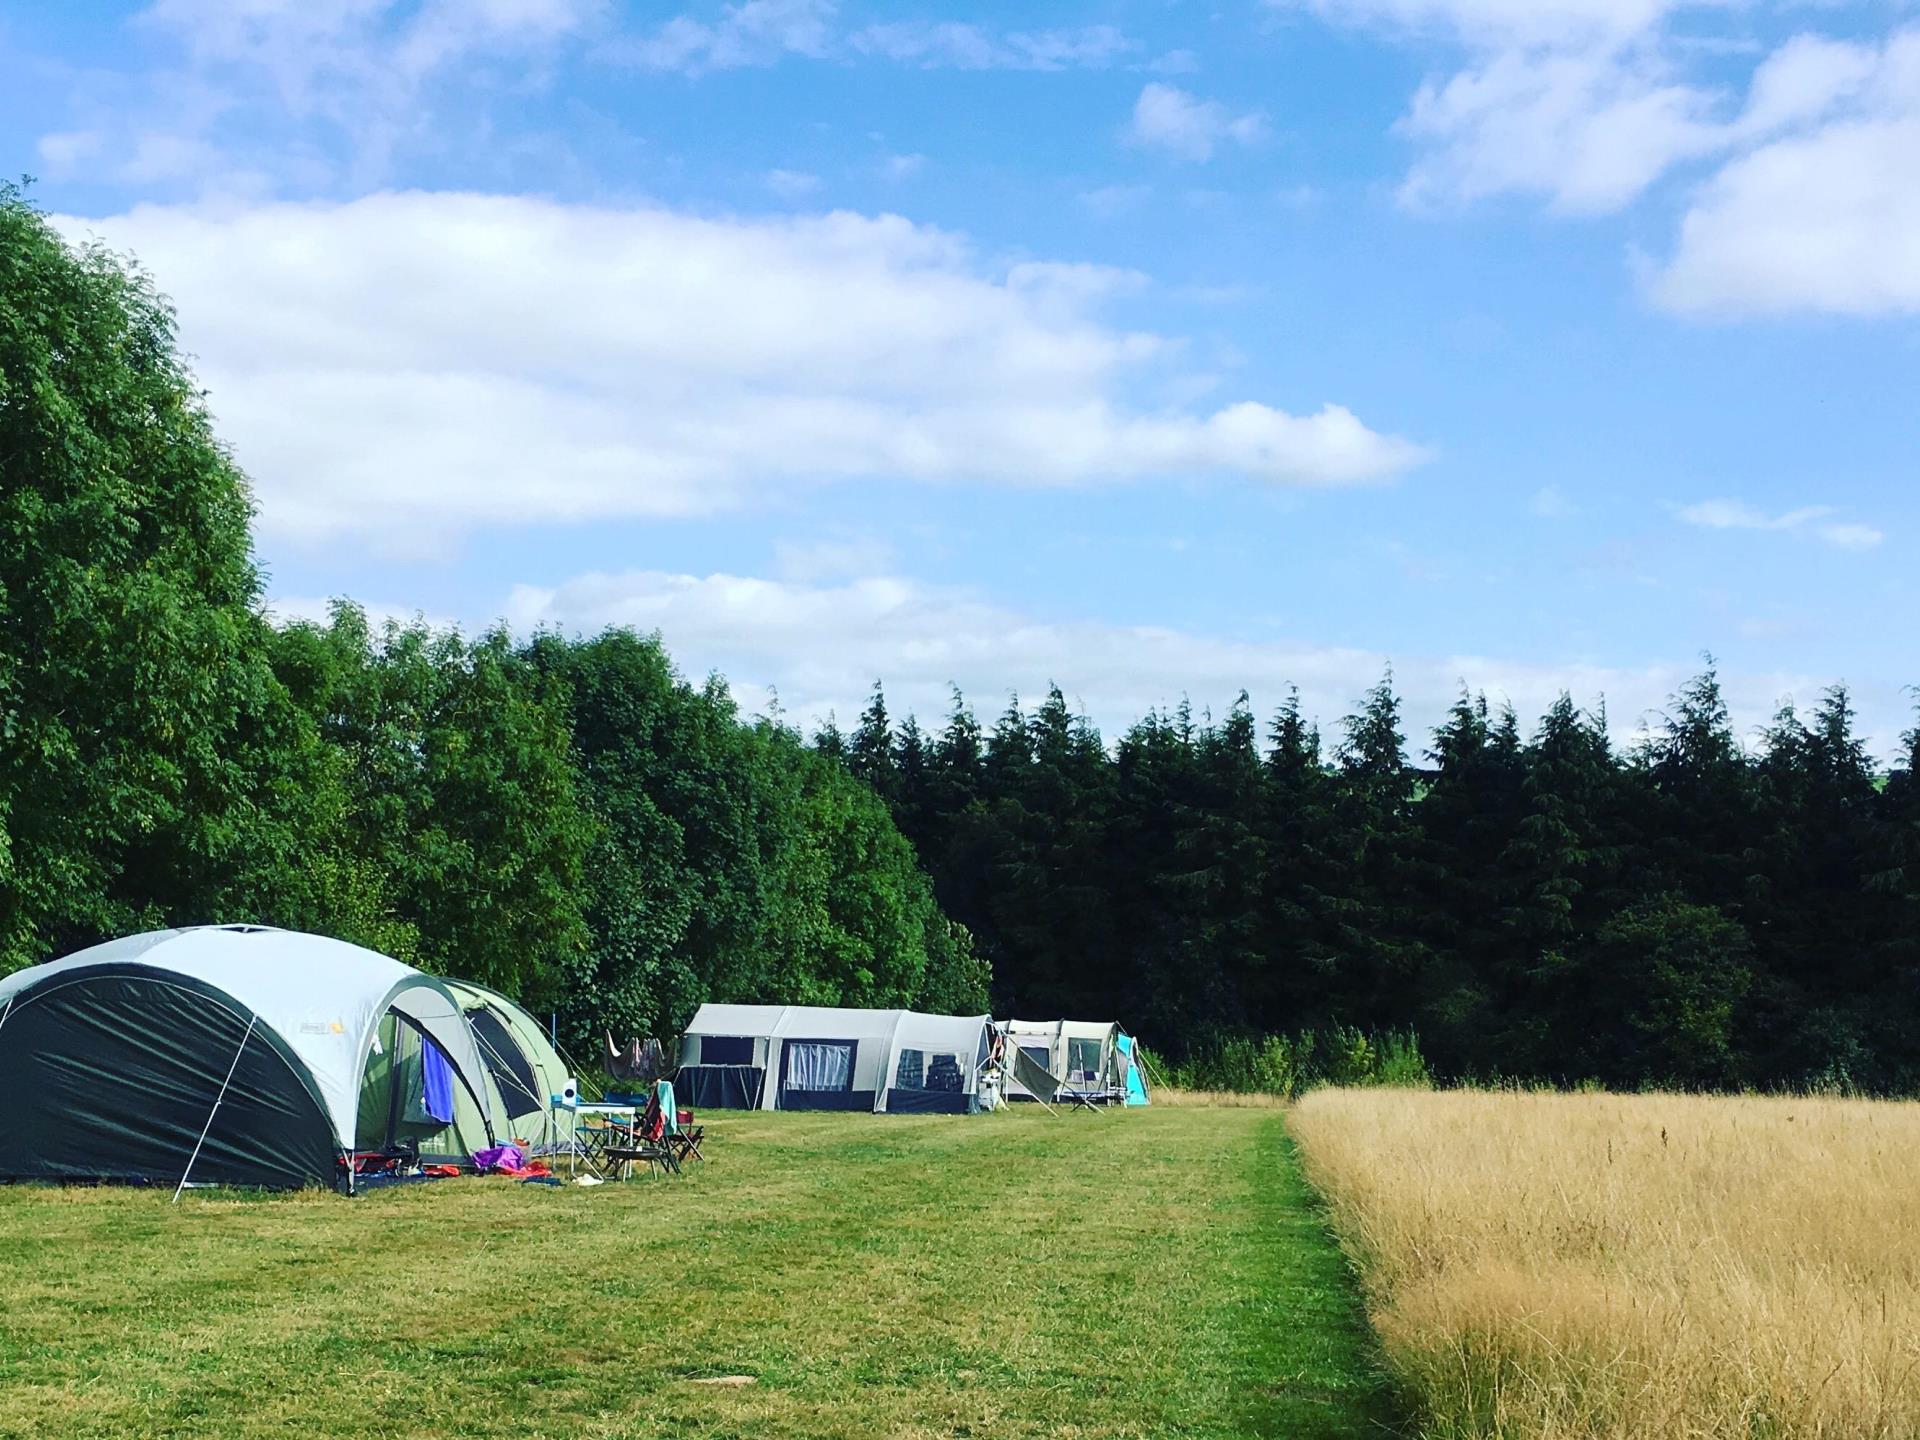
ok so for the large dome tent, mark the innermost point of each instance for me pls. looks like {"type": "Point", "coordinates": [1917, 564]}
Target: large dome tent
{"type": "Point", "coordinates": [230, 1054]}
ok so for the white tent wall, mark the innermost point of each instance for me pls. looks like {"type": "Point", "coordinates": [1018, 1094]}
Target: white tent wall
{"type": "Point", "coordinates": [934, 1063]}
{"type": "Point", "coordinates": [1082, 1054]}
{"type": "Point", "coordinates": [823, 1057]}
{"type": "Point", "coordinates": [811, 1046]}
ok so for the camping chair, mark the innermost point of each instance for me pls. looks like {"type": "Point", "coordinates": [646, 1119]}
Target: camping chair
{"type": "Point", "coordinates": [685, 1144]}
{"type": "Point", "coordinates": [650, 1146]}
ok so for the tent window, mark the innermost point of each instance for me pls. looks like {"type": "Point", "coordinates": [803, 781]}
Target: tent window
{"type": "Point", "coordinates": [819, 1065]}
{"type": "Point", "coordinates": [1039, 1055]}
{"type": "Point", "coordinates": [1083, 1059]}
{"type": "Point", "coordinates": [912, 1071]}
{"type": "Point", "coordinates": [726, 1049]}
{"type": "Point", "coordinates": [943, 1073]}
{"type": "Point", "coordinates": [508, 1066]}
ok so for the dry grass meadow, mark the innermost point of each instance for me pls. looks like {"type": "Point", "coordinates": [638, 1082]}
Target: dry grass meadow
{"type": "Point", "coordinates": [1555, 1266]}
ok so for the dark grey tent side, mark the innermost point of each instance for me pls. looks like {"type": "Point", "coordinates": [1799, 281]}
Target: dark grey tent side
{"type": "Point", "coordinates": [120, 1063]}
{"type": "Point", "coordinates": [215, 1054]}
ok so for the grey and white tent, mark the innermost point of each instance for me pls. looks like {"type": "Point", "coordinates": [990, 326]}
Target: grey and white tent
{"type": "Point", "coordinates": [223, 1054]}
{"type": "Point", "coordinates": [803, 1057]}
{"type": "Point", "coordinates": [1092, 1058]}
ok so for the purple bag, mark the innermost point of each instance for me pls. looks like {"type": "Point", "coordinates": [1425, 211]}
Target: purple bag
{"type": "Point", "coordinates": [499, 1157]}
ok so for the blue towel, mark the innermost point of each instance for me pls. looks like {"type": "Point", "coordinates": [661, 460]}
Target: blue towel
{"type": "Point", "coordinates": [663, 1090]}
{"type": "Point", "coordinates": [436, 1082]}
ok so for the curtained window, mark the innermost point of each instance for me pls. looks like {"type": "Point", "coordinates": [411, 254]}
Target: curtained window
{"type": "Point", "coordinates": [819, 1065]}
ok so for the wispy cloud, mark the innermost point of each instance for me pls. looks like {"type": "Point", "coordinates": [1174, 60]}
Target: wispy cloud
{"type": "Point", "coordinates": [764, 32]}
{"type": "Point", "coordinates": [757, 32]}
{"type": "Point", "coordinates": [1172, 120]}
{"type": "Point", "coordinates": [1550, 502]}
{"type": "Point", "coordinates": [1815, 520]}
{"type": "Point", "coordinates": [792, 184]}
{"type": "Point", "coordinates": [961, 45]}
{"type": "Point", "coordinates": [821, 643]}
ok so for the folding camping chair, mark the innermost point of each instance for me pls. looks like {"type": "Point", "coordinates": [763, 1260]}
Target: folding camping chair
{"type": "Point", "coordinates": [685, 1142]}
{"type": "Point", "coordinates": [649, 1145]}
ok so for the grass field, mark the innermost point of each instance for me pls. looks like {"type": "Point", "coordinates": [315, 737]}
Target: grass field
{"type": "Point", "coordinates": [1553, 1266]}
{"type": "Point", "coordinates": [1144, 1274]}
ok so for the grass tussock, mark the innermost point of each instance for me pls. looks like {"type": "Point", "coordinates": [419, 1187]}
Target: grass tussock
{"type": "Point", "coordinates": [1560, 1266]}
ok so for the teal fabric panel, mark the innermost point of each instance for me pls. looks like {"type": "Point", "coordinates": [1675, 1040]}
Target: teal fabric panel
{"type": "Point", "coordinates": [1136, 1087]}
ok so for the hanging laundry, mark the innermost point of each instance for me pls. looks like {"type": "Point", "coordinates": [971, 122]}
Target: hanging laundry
{"type": "Point", "coordinates": [641, 1060]}
{"type": "Point", "coordinates": [436, 1082]}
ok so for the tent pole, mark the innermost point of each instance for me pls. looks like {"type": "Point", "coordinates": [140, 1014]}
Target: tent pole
{"type": "Point", "coordinates": [1151, 1069]}
{"type": "Point", "coordinates": [6, 1012]}
{"type": "Point", "coordinates": [252, 1020]}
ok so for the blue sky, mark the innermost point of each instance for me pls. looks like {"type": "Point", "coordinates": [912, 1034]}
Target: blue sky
{"type": "Point", "coordinates": [1152, 349]}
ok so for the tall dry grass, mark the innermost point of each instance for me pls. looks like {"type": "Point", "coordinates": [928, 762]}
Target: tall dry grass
{"type": "Point", "coordinates": [1554, 1266]}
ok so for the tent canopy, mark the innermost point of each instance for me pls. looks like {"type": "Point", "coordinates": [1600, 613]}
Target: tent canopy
{"type": "Point", "coordinates": [249, 1042]}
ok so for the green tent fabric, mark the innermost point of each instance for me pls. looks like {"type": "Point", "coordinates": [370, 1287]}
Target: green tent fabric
{"type": "Point", "coordinates": [393, 1110]}
{"type": "Point", "coordinates": [526, 1071]}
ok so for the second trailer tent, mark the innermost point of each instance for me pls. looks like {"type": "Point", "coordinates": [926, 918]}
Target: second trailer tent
{"type": "Point", "coordinates": [804, 1057]}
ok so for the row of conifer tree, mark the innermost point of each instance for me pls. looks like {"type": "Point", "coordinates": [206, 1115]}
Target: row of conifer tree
{"type": "Point", "coordinates": [1532, 902]}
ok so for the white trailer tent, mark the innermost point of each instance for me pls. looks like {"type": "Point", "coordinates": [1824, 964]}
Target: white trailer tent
{"type": "Point", "coordinates": [803, 1057]}
{"type": "Point", "coordinates": [232, 1054]}
{"type": "Point", "coordinates": [1092, 1058]}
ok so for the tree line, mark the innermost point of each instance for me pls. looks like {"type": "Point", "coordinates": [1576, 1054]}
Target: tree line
{"type": "Point", "coordinates": [1538, 905]}
{"type": "Point", "coordinates": [565, 819]}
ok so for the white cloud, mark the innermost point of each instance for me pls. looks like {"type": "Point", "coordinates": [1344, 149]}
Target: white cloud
{"type": "Point", "coordinates": [267, 90]}
{"type": "Point", "coordinates": [902, 167]}
{"type": "Point", "coordinates": [1550, 502]}
{"type": "Point", "coordinates": [1590, 131]}
{"type": "Point", "coordinates": [1811, 195]}
{"type": "Point", "coordinates": [841, 558]}
{"type": "Point", "coordinates": [1813, 520]}
{"type": "Point", "coordinates": [65, 150]}
{"type": "Point", "coordinates": [756, 32]}
{"type": "Point", "coordinates": [1167, 118]}
{"type": "Point", "coordinates": [822, 645]}
{"type": "Point", "coordinates": [1500, 22]}
{"type": "Point", "coordinates": [963, 46]}
{"type": "Point", "coordinates": [1110, 201]}
{"type": "Point", "coordinates": [764, 32]}
{"type": "Point", "coordinates": [1851, 537]}
{"type": "Point", "coordinates": [792, 184]}
{"type": "Point", "coordinates": [1823, 212]}
{"type": "Point", "coordinates": [406, 366]}
{"type": "Point", "coordinates": [1826, 222]}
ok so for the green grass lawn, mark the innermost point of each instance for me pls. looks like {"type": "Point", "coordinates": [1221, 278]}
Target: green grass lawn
{"type": "Point", "coordinates": [1140, 1274]}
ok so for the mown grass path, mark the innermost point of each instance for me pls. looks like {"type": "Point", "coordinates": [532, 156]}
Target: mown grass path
{"type": "Point", "coordinates": [1158, 1273]}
